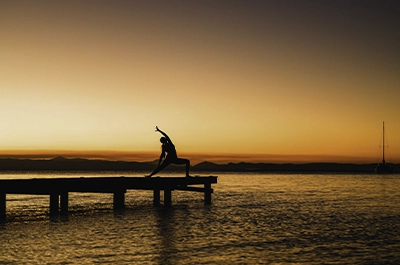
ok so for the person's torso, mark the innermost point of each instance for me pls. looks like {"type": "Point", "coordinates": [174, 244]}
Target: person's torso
{"type": "Point", "coordinates": [170, 149]}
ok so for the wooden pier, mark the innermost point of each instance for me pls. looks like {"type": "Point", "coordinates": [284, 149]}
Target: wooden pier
{"type": "Point", "coordinates": [59, 188]}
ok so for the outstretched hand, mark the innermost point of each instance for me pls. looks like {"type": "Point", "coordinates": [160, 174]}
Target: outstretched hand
{"type": "Point", "coordinates": [157, 130]}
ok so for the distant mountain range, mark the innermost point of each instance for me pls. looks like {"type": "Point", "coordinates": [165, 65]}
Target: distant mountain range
{"type": "Point", "coordinates": [78, 164]}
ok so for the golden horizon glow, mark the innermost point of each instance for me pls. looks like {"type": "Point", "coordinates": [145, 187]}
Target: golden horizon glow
{"type": "Point", "coordinates": [249, 79]}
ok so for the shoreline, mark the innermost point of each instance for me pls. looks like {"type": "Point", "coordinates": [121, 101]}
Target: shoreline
{"type": "Point", "coordinates": [61, 164]}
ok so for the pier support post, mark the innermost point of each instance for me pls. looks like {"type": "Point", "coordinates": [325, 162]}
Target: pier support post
{"type": "Point", "coordinates": [167, 197]}
{"type": "Point", "coordinates": [119, 200]}
{"type": "Point", "coordinates": [2, 205]}
{"type": "Point", "coordinates": [207, 193]}
{"type": "Point", "coordinates": [156, 197]}
{"type": "Point", "coordinates": [54, 203]}
{"type": "Point", "coordinates": [64, 202]}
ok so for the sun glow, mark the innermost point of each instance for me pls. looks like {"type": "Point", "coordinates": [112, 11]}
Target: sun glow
{"type": "Point", "coordinates": [84, 77]}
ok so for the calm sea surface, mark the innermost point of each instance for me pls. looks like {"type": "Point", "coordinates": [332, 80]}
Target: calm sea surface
{"type": "Point", "coordinates": [253, 219]}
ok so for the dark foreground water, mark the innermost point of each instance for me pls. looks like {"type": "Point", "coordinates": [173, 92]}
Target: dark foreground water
{"type": "Point", "coordinates": [254, 219]}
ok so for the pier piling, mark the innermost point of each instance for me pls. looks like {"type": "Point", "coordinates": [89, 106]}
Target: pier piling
{"type": "Point", "coordinates": [2, 205]}
{"type": "Point", "coordinates": [167, 197]}
{"type": "Point", "coordinates": [64, 202]}
{"type": "Point", "coordinates": [156, 197]}
{"type": "Point", "coordinates": [54, 203]}
{"type": "Point", "coordinates": [119, 200]}
{"type": "Point", "coordinates": [207, 193]}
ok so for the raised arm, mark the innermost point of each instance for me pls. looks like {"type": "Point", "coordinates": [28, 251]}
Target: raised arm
{"type": "Point", "coordinates": [163, 133]}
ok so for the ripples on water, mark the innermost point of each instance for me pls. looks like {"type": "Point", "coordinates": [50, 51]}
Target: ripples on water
{"type": "Point", "coordinates": [254, 219]}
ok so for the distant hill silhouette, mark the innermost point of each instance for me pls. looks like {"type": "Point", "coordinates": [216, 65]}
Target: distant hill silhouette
{"type": "Point", "coordinates": [288, 167]}
{"type": "Point", "coordinates": [59, 158]}
{"type": "Point", "coordinates": [60, 163]}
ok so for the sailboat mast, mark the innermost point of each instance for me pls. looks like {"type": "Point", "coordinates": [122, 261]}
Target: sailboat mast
{"type": "Point", "coordinates": [383, 144]}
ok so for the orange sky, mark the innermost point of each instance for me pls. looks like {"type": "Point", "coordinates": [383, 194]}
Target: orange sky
{"type": "Point", "coordinates": [240, 80]}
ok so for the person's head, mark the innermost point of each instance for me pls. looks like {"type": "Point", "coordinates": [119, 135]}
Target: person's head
{"type": "Point", "coordinates": [163, 140]}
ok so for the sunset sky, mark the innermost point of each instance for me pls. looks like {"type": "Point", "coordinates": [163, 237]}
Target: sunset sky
{"type": "Point", "coordinates": [271, 81]}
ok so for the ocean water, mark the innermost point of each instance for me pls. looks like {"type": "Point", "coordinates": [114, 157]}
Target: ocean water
{"type": "Point", "coordinates": [253, 219]}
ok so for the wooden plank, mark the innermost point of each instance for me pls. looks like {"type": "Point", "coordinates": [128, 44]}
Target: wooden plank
{"type": "Point", "coordinates": [98, 184]}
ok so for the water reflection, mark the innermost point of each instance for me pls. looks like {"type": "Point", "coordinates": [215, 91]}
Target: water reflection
{"type": "Point", "coordinates": [167, 234]}
{"type": "Point", "coordinates": [257, 219]}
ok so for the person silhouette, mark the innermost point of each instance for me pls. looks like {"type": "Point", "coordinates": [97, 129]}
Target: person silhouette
{"type": "Point", "coordinates": [171, 158]}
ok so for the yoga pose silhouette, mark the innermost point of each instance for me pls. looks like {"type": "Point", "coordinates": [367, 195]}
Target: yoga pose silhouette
{"type": "Point", "coordinates": [171, 158]}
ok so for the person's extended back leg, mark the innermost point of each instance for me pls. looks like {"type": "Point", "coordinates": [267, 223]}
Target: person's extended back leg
{"type": "Point", "coordinates": [163, 165]}
{"type": "Point", "coordinates": [181, 161]}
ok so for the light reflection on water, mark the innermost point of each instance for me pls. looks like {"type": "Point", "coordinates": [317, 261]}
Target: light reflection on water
{"type": "Point", "coordinates": [261, 218]}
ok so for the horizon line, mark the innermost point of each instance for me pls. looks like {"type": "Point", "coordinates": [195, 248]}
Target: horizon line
{"type": "Point", "coordinates": [205, 161]}
{"type": "Point", "coordinates": [218, 158]}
